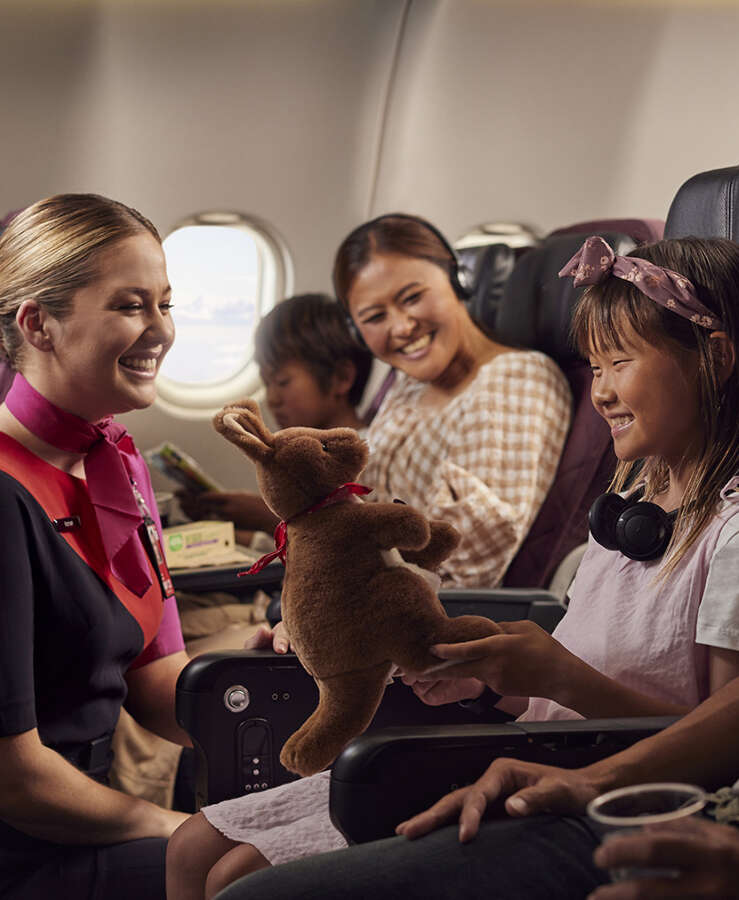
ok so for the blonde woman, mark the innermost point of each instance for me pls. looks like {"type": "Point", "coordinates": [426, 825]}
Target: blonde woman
{"type": "Point", "coordinates": [89, 618]}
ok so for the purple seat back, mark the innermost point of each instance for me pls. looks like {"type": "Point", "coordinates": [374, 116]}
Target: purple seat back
{"type": "Point", "coordinates": [535, 312]}
{"type": "Point", "coordinates": [641, 231]}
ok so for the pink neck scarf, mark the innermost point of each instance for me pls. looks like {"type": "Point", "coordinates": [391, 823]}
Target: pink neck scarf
{"type": "Point", "coordinates": [343, 492]}
{"type": "Point", "coordinates": [595, 261]}
{"type": "Point", "coordinates": [111, 462]}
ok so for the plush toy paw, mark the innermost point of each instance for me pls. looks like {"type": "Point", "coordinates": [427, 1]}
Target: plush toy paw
{"type": "Point", "coordinates": [444, 539]}
{"type": "Point", "coordinates": [308, 751]}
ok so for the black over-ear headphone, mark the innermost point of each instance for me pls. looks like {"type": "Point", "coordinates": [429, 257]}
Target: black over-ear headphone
{"type": "Point", "coordinates": [460, 277]}
{"type": "Point", "coordinates": [640, 530]}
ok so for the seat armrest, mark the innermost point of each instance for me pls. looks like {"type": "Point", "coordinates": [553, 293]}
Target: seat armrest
{"type": "Point", "coordinates": [240, 706]}
{"type": "Point", "coordinates": [505, 604]}
{"type": "Point", "coordinates": [383, 778]}
{"type": "Point", "coordinates": [226, 578]}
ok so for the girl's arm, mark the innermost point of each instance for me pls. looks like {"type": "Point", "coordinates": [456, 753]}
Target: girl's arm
{"type": "Point", "coordinates": [43, 795]}
{"type": "Point", "coordinates": [526, 661]}
{"type": "Point", "coordinates": [723, 667]}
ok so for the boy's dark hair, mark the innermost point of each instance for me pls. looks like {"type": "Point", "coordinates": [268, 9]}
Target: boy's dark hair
{"type": "Point", "coordinates": [312, 329]}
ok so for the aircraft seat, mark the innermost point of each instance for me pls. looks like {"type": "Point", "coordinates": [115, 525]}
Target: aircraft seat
{"type": "Point", "coordinates": [706, 205]}
{"type": "Point", "coordinates": [385, 777]}
{"type": "Point", "coordinates": [535, 312]}
{"type": "Point", "coordinates": [642, 231]}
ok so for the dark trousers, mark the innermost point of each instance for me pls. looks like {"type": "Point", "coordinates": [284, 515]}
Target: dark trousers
{"type": "Point", "coordinates": [130, 871]}
{"type": "Point", "coordinates": [547, 858]}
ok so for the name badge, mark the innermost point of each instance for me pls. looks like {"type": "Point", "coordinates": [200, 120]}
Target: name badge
{"type": "Point", "coordinates": [150, 539]}
{"type": "Point", "coordinates": [154, 550]}
{"type": "Point", "coordinates": [67, 523]}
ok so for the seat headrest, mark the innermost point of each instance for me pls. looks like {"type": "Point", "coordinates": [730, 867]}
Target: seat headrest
{"type": "Point", "coordinates": [536, 306]}
{"type": "Point", "coordinates": [643, 231]}
{"type": "Point", "coordinates": [706, 206]}
{"type": "Point", "coordinates": [489, 268]}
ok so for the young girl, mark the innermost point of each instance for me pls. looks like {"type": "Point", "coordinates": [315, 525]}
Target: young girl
{"type": "Point", "coordinates": [657, 635]}
{"type": "Point", "coordinates": [648, 637]}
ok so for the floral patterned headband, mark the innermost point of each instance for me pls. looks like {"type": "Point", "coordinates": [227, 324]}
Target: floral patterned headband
{"type": "Point", "coordinates": [595, 261]}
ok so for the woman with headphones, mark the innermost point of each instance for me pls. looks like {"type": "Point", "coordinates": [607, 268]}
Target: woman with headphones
{"type": "Point", "coordinates": [472, 430]}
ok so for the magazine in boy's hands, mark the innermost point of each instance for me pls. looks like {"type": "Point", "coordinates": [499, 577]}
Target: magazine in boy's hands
{"type": "Point", "coordinates": [179, 467]}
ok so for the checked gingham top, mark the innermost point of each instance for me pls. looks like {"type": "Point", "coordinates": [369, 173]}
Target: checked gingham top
{"type": "Point", "coordinates": [483, 462]}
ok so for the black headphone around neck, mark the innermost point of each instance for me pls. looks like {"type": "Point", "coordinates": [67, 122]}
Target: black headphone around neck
{"type": "Point", "coordinates": [639, 529]}
{"type": "Point", "coordinates": [460, 278]}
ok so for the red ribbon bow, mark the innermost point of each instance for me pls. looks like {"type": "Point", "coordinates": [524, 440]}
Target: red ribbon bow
{"type": "Point", "coordinates": [341, 493]}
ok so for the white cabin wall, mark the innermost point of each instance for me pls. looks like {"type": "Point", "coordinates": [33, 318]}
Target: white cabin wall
{"type": "Point", "coordinates": [46, 80]}
{"type": "Point", "coordinates": [556, 112]}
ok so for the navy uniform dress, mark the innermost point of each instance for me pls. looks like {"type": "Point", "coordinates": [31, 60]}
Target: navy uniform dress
{"type": "Point", "coordinates": [69, 632]}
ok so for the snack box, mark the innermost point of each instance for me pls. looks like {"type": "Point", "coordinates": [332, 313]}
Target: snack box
{"type": "Point", "coordinates": [202, 543]}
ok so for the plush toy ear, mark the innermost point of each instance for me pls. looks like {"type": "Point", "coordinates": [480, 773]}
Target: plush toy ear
{"type": "Point", "coordinates": [242, 424]}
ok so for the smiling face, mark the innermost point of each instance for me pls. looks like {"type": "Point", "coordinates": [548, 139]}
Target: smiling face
{"type": "Point", "coordinates": [409, 315]}
{"type": "Point", "coordinates": [649, 397]}
{"type": "Point", "coordinates": [104, 354]}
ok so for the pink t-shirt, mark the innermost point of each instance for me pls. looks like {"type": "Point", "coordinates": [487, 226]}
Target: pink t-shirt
{"type": "Point", "coordinates": [641, 630]}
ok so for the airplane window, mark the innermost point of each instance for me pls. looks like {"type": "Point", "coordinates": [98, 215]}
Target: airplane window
{"type": "Point", "coordinates": [226, 270]}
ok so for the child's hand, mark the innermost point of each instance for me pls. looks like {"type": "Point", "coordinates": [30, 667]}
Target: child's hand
{"type": "Point", "coordinates": [437, 692]}
{"type": "Point", "coordinates": [523, 661]}
{"type": "Point", "coordinates": [267, 638]}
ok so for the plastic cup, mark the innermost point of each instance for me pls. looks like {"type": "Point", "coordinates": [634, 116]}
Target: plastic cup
{"type": "Point", "coordinates": [629, 809]}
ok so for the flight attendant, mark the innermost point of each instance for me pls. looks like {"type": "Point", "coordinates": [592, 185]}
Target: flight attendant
{"type": "Point", "coordinates": [89, 616]}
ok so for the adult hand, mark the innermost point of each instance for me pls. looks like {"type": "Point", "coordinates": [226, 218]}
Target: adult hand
{"type": "Point", "coordinates": [530, 788]}
{"type": "Point", "coordinates": [267, 638]}
{"type": "Point", "coordinates": [437, 692]}
{"type": "Point", "coordinates": [705, 854]}
{"type": "Point", "coordinates": [523, 661]}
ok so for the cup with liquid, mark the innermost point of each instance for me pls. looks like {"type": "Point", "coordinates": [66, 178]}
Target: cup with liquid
{"type": "Point", "coordinates": [631, 808]}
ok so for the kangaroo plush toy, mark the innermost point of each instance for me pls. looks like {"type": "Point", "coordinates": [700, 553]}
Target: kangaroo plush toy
{"type": "Point", "coordinates": [354, 608]}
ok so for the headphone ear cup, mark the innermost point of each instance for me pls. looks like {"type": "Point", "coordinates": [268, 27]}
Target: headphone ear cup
{"type": "Point", "coordinates": [643, 531]}
{"type": "Point", "coordinates": [602, 518]}
{"type": "Point", "coordinates": [462, 281]}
